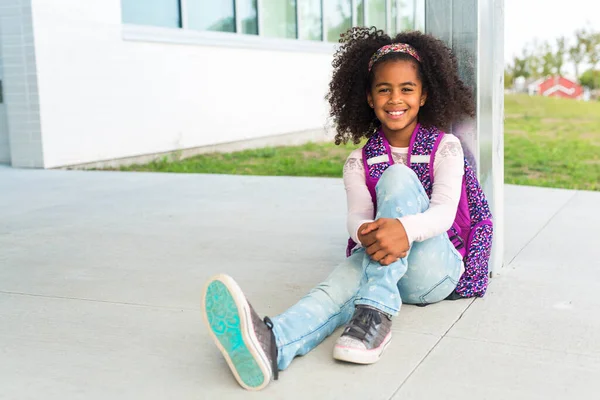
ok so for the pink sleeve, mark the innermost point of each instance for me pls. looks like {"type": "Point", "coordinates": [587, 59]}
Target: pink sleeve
{"type": "Point", "coordinates": [447, 184]}
{"type": "Point", "coordinates": [360, 206]}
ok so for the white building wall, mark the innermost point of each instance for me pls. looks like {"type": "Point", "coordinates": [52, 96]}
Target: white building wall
{"type": "Point", "coordinates": [104, 97]}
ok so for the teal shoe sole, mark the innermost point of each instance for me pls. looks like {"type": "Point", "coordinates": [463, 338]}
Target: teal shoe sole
{"type": "Point", "coordinates": [229, 326]}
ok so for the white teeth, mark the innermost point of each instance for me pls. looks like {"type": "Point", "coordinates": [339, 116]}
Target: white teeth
{"type": "Point", "coordinates": [396, 112]}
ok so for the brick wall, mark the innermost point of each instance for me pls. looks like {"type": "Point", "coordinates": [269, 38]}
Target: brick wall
{"type": "Point", "coordinates": [20, 84]}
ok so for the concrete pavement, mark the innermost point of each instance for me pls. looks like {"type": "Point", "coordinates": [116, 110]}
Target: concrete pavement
{"type": "Point", "coordinates": [101, 275]}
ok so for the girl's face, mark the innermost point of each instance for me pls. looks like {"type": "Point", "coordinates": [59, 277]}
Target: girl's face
{"type": "Point", "coordinates": [396, 96]}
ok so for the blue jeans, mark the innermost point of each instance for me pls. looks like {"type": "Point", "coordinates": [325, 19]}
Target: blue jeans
{"type": "Point", "coordinates": [428, 274]}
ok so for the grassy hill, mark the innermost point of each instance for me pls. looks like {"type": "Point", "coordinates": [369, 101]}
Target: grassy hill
{"type": "Point", "coordinates": [548, 142]}
{"type": "Point", "coordinates": [552, 142]}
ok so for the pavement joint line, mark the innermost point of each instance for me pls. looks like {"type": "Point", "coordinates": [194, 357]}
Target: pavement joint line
{"type": "Point", "coordinates": [525, 346]}
{"type": "Point", "coordinates": [97, 301]}
{"type": "Point", "coordinates": [543, 227]}
{"type": "Point", "coordinates": [432, 348]}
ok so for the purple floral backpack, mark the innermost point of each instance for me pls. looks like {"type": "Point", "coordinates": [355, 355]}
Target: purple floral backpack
{"type": "Point", "coordinates": [471, 232]}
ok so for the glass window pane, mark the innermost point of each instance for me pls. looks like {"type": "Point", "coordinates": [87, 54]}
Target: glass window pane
{"type": "Point", "coordinates": [394, 18]}
{"type": "Point", "coordinates": [375, 14]}
{"type": "Point", "coordinates": [419, 15]}
{"type": "Point", "coordinates": [338, 18]}
{"type": "Point", "coordinates": [310, 26]}
{"type": "Point", "coordinates": [360, 12]}
{"type": "Point", "coordinates": [278, 18]}
{"type": "Point", "coordinates": [151, 12]}
{"type": "Point", "coordinates": [210, 15]}
{"type": "Point", "coordinates": [405, 15]}
{"type": "Point", "coordinates": [248, 16]}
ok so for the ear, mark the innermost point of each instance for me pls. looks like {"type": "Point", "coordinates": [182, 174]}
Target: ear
{"type": "Point", "coordinates": [423, 98]}
{"type": "Point", "coordinates": [370, 99]}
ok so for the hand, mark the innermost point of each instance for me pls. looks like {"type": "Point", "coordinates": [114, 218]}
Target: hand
{"type": "Point", "coordinates": [385, 240]}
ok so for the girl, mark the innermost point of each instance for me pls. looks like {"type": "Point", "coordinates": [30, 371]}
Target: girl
{"type": "Point", "coordinates": [398, 93]}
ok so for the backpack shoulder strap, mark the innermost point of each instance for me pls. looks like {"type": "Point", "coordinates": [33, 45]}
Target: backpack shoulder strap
{"type": "Point", "coordinates": [421, 154]}
{"type": "Point", "coordinates": [436, 145]}
{"type": "Point", "coordinates": [377, 157]}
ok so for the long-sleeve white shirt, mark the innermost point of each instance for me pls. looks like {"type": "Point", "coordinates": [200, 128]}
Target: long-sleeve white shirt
{"type": "Point", "coordinates": [447, 172]}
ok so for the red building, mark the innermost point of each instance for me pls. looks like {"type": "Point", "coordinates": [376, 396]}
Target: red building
{"type": "Point", "coordinates": [558, 86]}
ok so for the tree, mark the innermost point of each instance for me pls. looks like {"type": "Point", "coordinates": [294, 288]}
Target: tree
{"type": "Point", "coordinates": [590, 78]}
{"type": "Point", "coordinates": [534, 56]}
{"type": "Point", "coordinates": [592, 48]}
{"type": "Point", "coordinates": [577, 51]}
{"type": "Point", "coordinates": [509, 78]}
{"type": "Point", "coordinates": [548, 60]}
{"type": "Point", "coordinates": [520, 68]}
{"type": "Point", "coordinates": [559, 57]}
{"type": "Point", "coordinates": [534, 65]}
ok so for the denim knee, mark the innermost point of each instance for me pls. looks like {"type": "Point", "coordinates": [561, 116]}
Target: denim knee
{"type": "Point", "coordinates": [399, 181]}
{"type": "Point", "coordinates": [395, 177]}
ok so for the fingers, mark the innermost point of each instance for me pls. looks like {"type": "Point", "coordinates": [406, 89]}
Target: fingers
{"type": "Point", "coordinates": [369, 239]}
{"type": "Point", "coordinates": [380, 222]}
{"type": "Point", "coordinates": [379, 256]}
{"type": "Point", "coordinates": [390, 259]}
{"type": "Point", "coordinates": [376, 243]}
{"type": "Point", "coordinates": [373, 248]}
{"type": "Point", "coordinates": [383, 242]}
{"type": "Point", "coordinates": [387, 260]}
{"type": "Point", "coordinates": [370, 227]}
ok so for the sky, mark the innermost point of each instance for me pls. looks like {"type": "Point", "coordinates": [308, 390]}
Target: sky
{"type": "Point", "coordinates": [526, 20]}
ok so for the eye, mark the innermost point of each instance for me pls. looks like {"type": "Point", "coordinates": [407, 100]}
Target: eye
{"type": "Point", "coordinates": [384, 90]}
{"type": "Point", "coordinates": [407, 90]}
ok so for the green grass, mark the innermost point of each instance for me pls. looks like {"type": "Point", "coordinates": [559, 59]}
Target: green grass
{"type": "Point", "coordinates": [311, 159]}
{"type": "Point", "coordinates": [548, 142]}
{"type": "Point", "coordinates": [552, 142]}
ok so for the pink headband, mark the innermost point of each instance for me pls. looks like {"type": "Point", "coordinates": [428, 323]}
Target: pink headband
{"type": "Point", "coordinates": [393, 48]}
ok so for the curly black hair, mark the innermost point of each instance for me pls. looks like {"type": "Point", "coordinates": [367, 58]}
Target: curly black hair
{"type": "Point", "coordinates": [448, 98]}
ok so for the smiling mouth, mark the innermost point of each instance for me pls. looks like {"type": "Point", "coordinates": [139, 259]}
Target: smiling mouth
{"type": "Point", "coordinates": [396, 113]}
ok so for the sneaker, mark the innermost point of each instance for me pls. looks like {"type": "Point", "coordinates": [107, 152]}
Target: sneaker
{"type": "Point", "coordinates": [246, 341]}
{"type": "Point", "coordinates": [365, 337]}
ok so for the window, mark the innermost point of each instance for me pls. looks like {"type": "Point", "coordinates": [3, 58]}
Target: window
{"type": "Point", "coordinates": [403, 15]}
{"type": "Point", "coordinates": [152, 12]}
{"type": "Point", "coordinates": [338, 18]}
{"type": "Point", "coordinates": [307, 20]}
{"type": "Point", "coordinates": [210, 15]}
{"type": "Point", "coordinates": [375, 14]}
{"type": "Point", "coordinates": [247, 15]}
{"type": "Point", "coordinates": [360, 12]}
{"type": "Point", "coordinates": [418, 16]}
{"type": "Point", "coordinates": [278, 18]}
{"type": "Point", "coordinates": [393, 29]}
{"type": "Point", "coordinates": [310, 20]}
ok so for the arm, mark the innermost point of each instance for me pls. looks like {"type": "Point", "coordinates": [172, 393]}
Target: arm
{"type": "Point", "coordinates": [372, 235]}
{"type": "Point", "coordinates": [360, 205]}
{"type": "Point", "coordinates": [447, 185]}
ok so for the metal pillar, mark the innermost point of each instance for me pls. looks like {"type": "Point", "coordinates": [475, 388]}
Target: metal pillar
{"type": "Point", "coordinates": [474, 29]}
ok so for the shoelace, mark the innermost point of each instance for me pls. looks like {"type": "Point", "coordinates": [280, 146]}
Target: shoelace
{"type": "Point", "coordinates": [274, 367]}
{"type": "Point", "coordinates": [362, 321]}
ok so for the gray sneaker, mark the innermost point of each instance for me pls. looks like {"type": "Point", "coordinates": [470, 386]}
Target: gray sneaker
{"type": "Point", "coordinates": [247, 342]}
{"type": "Point", "coordinates": [365, 337]}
